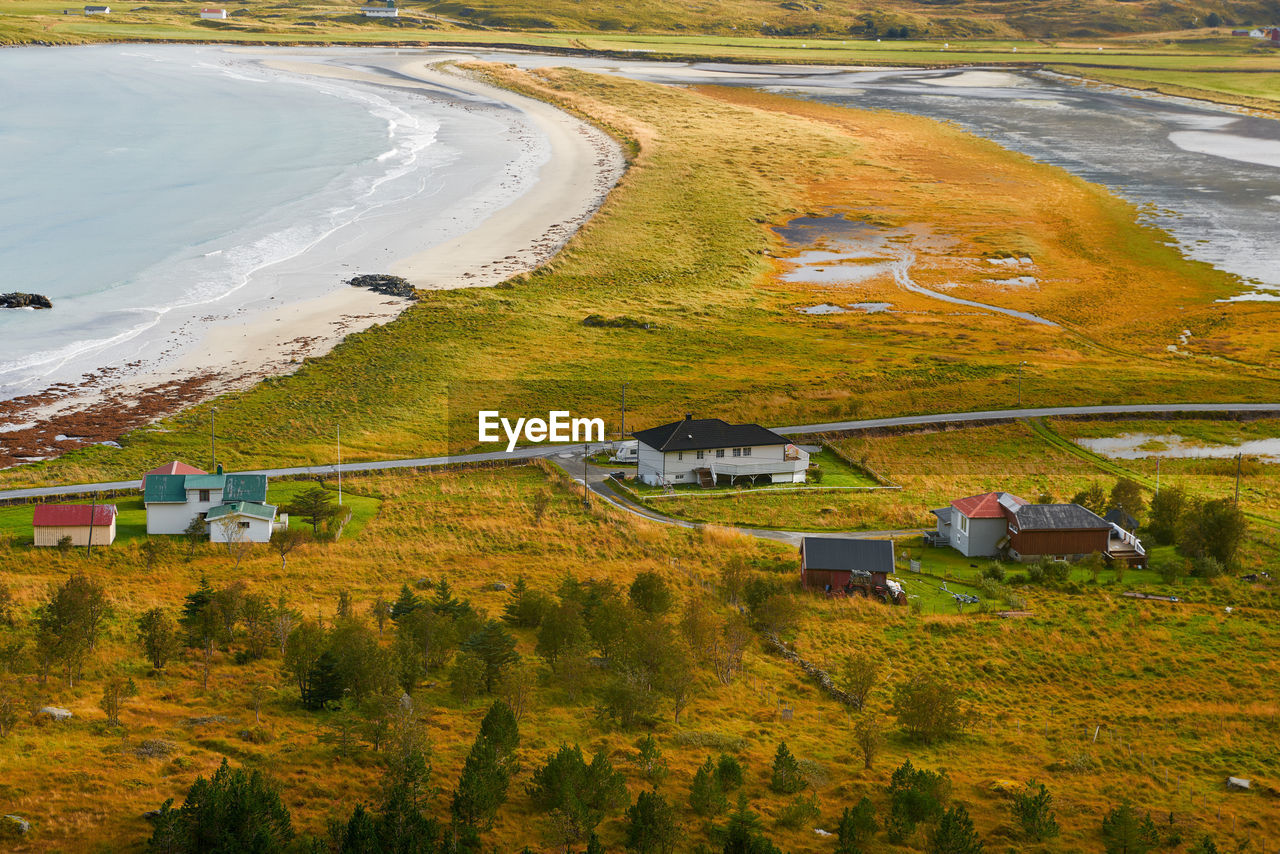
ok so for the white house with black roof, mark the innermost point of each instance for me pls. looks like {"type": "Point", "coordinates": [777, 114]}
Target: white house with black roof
{"type": "Point", "coordinates": [708, 451]}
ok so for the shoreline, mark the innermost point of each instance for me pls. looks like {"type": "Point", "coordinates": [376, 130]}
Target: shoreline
{"type": "Point", "coordinates": [482, 246]}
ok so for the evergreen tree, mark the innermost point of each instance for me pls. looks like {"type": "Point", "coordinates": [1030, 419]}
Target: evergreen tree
{"type": "Point", "coordinates": [914, 796]}
{"type": "Point", "coordinates": [857, 825]}
{"type": "Point", "coordinates": [323, 683]}
{"type": "Point", "coordinates": [594, 845]}
{"type": "Point", "coordinates": [235, 812]}
{"type": "Point", "coordinates": [314, 506]}
{"type": "Point", "coordinates": [406, 603]}
{"type": "Point", "coordinates": [729, 773]}
{"type": "Point", "coordinates": [1033, 808]}
{"type": "Point", "coordinates": [575, 794]}
{"type": "Point", "coordinates": [954, 834]}
{"type": "Point", "coordinates": [744, 835]}
{"type": "Point", "coordinates": [482, 788]}
{"type": "Point", "coordinates": [499, 728]}
{"type": "Point", "coordinates": [1124, 833]}
{"type": "Point", "coordinates": [496, 649]}
{"type": "Point", "coordinates": [787, 778]}
{"type": "Point", "coordinates": [651, 825]}
{"type": "Point", "coordinates": [525, 608]}
{"type": "Point", "coordinates": [706, 796]}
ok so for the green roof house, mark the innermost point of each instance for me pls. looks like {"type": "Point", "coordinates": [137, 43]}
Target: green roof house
{"type": "Point", "coordinates": [242, 521]}
{"type": "Point", "coordinates": [173, 500]}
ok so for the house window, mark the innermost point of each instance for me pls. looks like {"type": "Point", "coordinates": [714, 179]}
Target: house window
{"type": "Point", "coordinates": [204, 495]}
{"type": "Point", "coordinates": [746, 452]}
{"type": "Point", "coordinates": [700, 454]}
{"type": "Point", "coordinates": [737, 452]}
{"type": "Point", "coordinates": [964, 524]}
{"type": "Point", "coordinates": [244, 524]}
{"type": "Point", "coordinates": [679, 455]}
{"type": "Point", "coordinates": [719, 453]}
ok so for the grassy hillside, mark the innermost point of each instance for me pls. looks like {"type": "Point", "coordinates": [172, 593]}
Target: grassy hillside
{"type": "Point", "coordinates": [706, 187]}
{"type": "Point", "coordinates": [1101, 697]}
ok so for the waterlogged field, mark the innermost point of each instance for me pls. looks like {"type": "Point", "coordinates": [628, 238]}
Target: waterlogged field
{"type": "Point", "coordinates": [705, 187]}
{"type": "Point", "coordinates": [1100, 697]}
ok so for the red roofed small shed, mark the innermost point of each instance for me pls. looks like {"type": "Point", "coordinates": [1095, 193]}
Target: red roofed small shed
{"type": "Point", "coordinates": [52, 522]}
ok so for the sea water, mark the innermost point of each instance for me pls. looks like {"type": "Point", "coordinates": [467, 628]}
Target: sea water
{"type": "Point", "coordinates": [143, 184]}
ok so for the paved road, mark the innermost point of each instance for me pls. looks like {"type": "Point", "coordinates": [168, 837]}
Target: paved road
{"type": "Point", "coordinates": [796, 430]}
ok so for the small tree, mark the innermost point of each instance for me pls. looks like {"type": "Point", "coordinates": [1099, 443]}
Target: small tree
{"type": "Point", "coordinates": [868, 734]}
{"type": "Point", "coordinates": [158, 637]}
{"type": "Point", "coordinates": [1093, 497]}
{"type": "Point", "coordinates": [466, 677]}
{"type": "Point", "coordinates": [1204, 846]}
{"type": "Point", "coordinates": [651, 825]}
{"type": "Point", "coordinates": [787, 778]}
{"type": "Point", "coordinates": [153, 550]}
{"type": "Point", "coordinates": [482, 788]}
{"type": "Point", "coordinates": [1124, 833]}
{"type": "Point", "coordinates": [650, 593]}
{"type": "Point", "coordinates": [706, 796]}
{"type": "Point", "coordinates": [314, 506]}
{"type": "Point", "coordinates": [516, 687]}
{"type": "Point", "coordinates": [67, 625]}
{"type": "Point", "coordinates": [649, 760]}
{"type": "Point", "coordinates": [857, 825]}
{"type": "Point", "coordinates": [524, 608]}
{"type": "Point", "coordinates": [196, 532]}
{"type": "Point", "coordinates": [116, 691]}
{"type": "Point", "coordinates": [928, 708]}
{"type": "Point", "coordinates": [1167, 509]}
{"type": "Point", "coordinates": [859, 673]}
{"type": "Point", "coordinates": [1213, 529]}
{"type": "Point", "coordinates": [954, 834]}
{"type": "Point", "coordinates": [1033, 808]}
{"type": "Point", "coordinates": [562, 631]}
{"type": "Point", "coordinates": [1126, 495]}
{"type": "Point", "coordinates": [494, 646]}
{"type": "Point", "coordinates": [915, 795]}
{"type": "Point", "coordinates": [284, 541]}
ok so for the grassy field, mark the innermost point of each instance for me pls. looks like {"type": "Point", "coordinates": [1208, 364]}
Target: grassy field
{"type": "Point", "coordinates": [705, 186]}
{"type": "Point", "coordinates": [1147, 676]}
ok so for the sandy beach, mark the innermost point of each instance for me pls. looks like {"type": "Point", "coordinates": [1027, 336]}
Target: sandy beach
{"type": "Point", "coordinates": [484, 241]}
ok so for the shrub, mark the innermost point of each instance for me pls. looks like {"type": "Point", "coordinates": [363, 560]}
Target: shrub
{"type": "Point", "coordinates": [650, 593]}
{"type": "Point", "coordinates": [575, 793]}
{"type": "Point", "coordinates": [651, 825]}
{"type": "Point", "coordinates": [994, 571]}
{"type": "Point", "coordinates": [801, 811]}
{"type": "Point", "coordinates": [1207, 567]}
{"type": "Point", "coordinates": [729, 773]}
{"type": "Point", "coordinates": [915, 795]}
{"type": "Point", "coordinates": [235, 810]}
{"type": "Point", "coordinates": [1124, 833]}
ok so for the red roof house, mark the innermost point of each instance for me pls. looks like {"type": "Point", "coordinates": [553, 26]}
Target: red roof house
{"type": "Point", "coordinates": [174, 467]}
{"type": "Point", "coordinates": [53, 522]}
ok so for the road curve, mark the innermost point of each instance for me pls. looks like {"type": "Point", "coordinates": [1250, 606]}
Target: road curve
{"type": "Point", "coordinates": [535, 451]}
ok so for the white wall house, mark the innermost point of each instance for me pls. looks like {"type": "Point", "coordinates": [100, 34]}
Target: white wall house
{"type": "Point", "coordinates": [380, 10]}
{"type": "Point", "coordinates": [173, 500]}
{"type": "Point", "coordinates": [243, 522]}
{"type": "Point", "coordinates": [977, 526]}
{"type": "Point", "coordinates": [97, 10]}
{"type": "Point", "coordinates": [213, 14]}
{"type": "Point", "coordinates": [708, 451]}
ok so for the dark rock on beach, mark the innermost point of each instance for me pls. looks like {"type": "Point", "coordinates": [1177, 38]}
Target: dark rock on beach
{"type": "Point", "coordinates": [17, 300]}
{"type": "Point", "coordinates": [384, 283]}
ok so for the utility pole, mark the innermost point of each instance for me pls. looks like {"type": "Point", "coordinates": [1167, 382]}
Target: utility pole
{"type": "Point", "coordinates": [586, 490]}
{"type": "Point", "coordinates": [1020, 364]}
{"type": "Point", "coordinates": [1239, 457]}
{"type": "Point", "coordinates": [213, 437]}
{"type": "Point", "coordinates": [339, 465]}
{"type": "Point", "coordinates": [93, 511]}
{"type": "Point", "coordinates": [622, 437]}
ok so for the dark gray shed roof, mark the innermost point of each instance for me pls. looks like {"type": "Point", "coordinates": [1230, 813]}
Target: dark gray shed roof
{"type": "Point", "coordinates": [1062, 517]}
{"type": "Point", "coordinates": [700, 434]}
{"type": "Point", "coordinates": [848, 553]}
{"type": "Point", "coordinates": [943, 513]}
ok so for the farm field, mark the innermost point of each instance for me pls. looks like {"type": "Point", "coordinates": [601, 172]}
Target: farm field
{"type": "Point", "coordinates": [1036, 689]}
{"type": "Point", "coordinates": [702, 186]}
